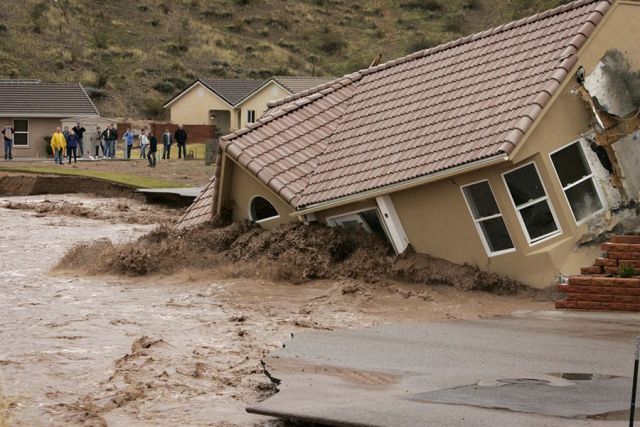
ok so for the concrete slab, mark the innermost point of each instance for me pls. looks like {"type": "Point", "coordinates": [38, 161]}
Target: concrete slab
{"type": "Point", "coordinates": [192, 192]}
{"type": "Point", "coordinates": [424, 373]}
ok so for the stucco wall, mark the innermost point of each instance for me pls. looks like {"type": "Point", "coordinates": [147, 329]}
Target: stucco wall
{"type": "Point", "coordinates": [258, 101]}
{"type": "Point", "coordinates": [243, 188]}
{"type": "Point", "coordinates": [38, 129]}
{"type": "Point", "coordinates": [193, 107]}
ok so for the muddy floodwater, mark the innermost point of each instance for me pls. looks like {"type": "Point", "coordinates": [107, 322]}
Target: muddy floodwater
{"type": "Point", "coordinates": [179, 350]}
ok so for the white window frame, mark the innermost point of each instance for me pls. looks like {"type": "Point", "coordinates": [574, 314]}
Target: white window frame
{"type": "Point", "coordinates": [590, 176]}
{"type": "Point", "coordinates": [333, 220]}
{"type": "Point", "coordinates": [251, 116]}
{"type": "Point", "coordinates": [13, 125]}
{"type": "Point", "coordinates": [548, 236]}
{"type": "Point", "coordinates": [250, 213]}
{"type": "Point", "coordinates": [479, 220]}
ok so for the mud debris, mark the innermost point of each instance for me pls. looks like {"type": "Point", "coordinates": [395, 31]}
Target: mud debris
{"type": "Point", "coordinates": [85, 206]}
{"type": "Point", "coordinates": [295, 253]}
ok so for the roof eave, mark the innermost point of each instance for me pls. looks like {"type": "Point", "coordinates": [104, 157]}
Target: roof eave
{"type": "Point", "coordinates": [405, 185]}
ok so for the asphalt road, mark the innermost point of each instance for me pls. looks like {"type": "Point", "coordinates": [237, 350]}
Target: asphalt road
{"type": "Point", "coordinates": [501, 371]}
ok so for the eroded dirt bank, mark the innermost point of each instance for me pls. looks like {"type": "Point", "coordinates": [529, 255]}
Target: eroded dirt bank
{"type": "Point", "coordinates": [179, 349]}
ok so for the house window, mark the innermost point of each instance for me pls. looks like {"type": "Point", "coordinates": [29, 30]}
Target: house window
{"type": "Point", "coordinates": [21, 128]}
{"type": "Point", "coordinates": [260, 209]}
{"type": "Point", "coordinates": [487, 217]}
{"type": "Point", "coordinates": [251, 116]}
{"type": "Point", "coordinates": [531, 202]}
{"type": "Point", "coordinates": [367, 220]}
{"type": "Point", "coordinates": [577, 182]}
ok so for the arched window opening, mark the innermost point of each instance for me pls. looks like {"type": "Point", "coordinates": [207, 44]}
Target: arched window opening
{"type": "Point", "coordinates": [261, 209]}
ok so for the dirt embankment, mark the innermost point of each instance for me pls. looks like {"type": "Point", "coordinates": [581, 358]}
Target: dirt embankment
{"type": "Point", "coordinates": [12, 184]}
{"type": "Point", "coordinates": [294, 253]}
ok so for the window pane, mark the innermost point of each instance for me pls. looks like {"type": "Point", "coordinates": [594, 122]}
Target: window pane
{"type": "Point", "coordinates": [538, 220]}
{"type": "Point", "coordinates": [583, 199]}
{"type": "Point", "coordinates": [20, 139]}
{"type": "Point", "coordinates": [570, 164]}
{"type": "Point", "coordinates": [524, 185]}
{"type": "Point", "coordinates": [481, 200]}
{"type": "Point", "coordinates": [496, 234]}
{"type": "Point", "coordinates": [21, 125]}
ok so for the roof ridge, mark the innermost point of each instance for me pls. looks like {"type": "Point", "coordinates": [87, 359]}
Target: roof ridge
{"type": "Point", "coordinates": [448, 45]}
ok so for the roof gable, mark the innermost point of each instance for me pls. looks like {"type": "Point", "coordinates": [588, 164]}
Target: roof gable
{"type": "Point", "coordinates": [31, 98]}
{"type": "Point", "coordinates": [232, 90]}
{"type": "Point", "coordinates": [433, 110]}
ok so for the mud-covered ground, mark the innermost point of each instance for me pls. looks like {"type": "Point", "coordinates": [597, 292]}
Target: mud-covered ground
{"type": "Point", "coordinates": [171, 350]}
{"type": "Point", "coordinates": [113, 210]}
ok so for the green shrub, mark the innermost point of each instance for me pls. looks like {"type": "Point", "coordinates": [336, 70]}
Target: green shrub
{"type": "Point", "coordinates": [164, 87]}
{"type": "Point", "coordinates": [331, 43]}
{"type": "Point", "coordinates": [47, 141]}
{"type": "Point", "coordinates": [455, 21]}
{"type": "Point", "coordinates": [626, 271]}
{"type": "Point", "coordinates": [426, 5]}
{"type": "Point", "coordinates": [154, 107]}
{"type": "Point", "coordinates": [422, 42]}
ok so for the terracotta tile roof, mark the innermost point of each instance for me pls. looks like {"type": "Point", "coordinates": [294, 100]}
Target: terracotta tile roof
{"type": "Point", "coordinates": [299, 84]}
{"type": "Point", "coordinates": [232, 90]}
{"type": "Point", "coordinates": [442, 107]}
{"type": "Point", "coordinates": [31, 98]}
{"type": "Point", "coordinates": [201, 210]}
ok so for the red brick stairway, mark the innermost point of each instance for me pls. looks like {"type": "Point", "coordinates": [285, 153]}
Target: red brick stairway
{"type": "Point", "coordinates": [598, 287]}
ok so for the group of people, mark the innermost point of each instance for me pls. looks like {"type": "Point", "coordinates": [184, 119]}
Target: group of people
{"type": "Point", "coordinates": [105, 140]}
{"type": "Point", "coordinates": [68, 141]}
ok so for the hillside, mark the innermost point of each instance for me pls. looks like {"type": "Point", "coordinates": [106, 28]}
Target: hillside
{"type": "Point", "coordinates": [132, 55]}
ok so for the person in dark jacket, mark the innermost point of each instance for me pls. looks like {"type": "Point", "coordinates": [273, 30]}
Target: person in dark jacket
{"type": "Point", "coordinates": [72, 146]}
{"type": "Point", "coordinates": [180, 135]}
{"type": "Point", "coordinates": [79, 131]}
{"type": "Point", "coordinates": [153, 148]}
{"type": "Point", "coordinates": [7, 135]}
{"type": "Point", "coordinates": [167, 141]}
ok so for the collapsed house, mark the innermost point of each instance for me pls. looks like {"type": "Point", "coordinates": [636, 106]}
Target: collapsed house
{"type": "Point", "coordinates": [502, 149]}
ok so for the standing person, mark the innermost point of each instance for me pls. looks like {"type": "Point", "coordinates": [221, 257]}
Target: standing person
{"type": "Point", "coordinates": [72, 147]}
{"type": "Point", "coordinates": [97, 142]}
{"type": "Point", "coordinates": [167, 140]}
{"type": "Point", "coordinates": [105, 138]}
{"type": "Point", "coordinates": [127, 139]}
{"type": "Point", "coordinates": [58, 144]}
{"type": "Point", "coordinates": [153, 148]}
{"type": "Point", "coordinates": [180, 135]}
{"type": "Point", "coordinates": [79, 131]}
{"type": "Point", "coordinates": [113, 141]}
{"type": "Point", "coordinates": [7, 134]}
{"type": "Point", "coordinates": [66, 133]}
{"type": "Point", "coordinates": [144, 142]}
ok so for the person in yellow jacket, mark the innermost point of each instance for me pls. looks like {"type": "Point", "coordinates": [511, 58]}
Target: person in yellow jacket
{"type": "Point", "coordinates": [58, 144]}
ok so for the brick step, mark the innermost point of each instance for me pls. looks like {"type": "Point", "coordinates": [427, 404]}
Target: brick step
{"type": "Point", "coordinates": [596, 269]}
{"type": "Point", "coordinates": [606, 262]}
{"type": "Point", "coordinates": [604, 281]}
{"type": "Point", "coordinates": [606, 290]}
{"type": "Point", "coordinates": [625, 239]}
{"type": "Point", "coordinates": [602, 306]}
{"type": "Point", "coordinates": [630, 299]}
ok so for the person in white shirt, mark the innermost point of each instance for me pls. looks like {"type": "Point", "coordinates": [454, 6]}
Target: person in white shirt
{"type": "Point", "coordinates": [144, 143]}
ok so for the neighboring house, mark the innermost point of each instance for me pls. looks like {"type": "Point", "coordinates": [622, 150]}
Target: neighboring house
{"type": "Point", "coordinates": [477, 151]}
{"type": "Point", "coordinates": [35, 109]}
{"type": "Point", "coordinates": [231, 104]}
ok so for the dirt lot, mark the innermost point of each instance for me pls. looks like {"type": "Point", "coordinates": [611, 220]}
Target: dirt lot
{"type": "Point", "coordinates": [165, 350]}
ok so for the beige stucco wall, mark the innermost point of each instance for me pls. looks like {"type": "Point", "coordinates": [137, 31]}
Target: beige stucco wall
{"type": "Point", "coordinates": [243, 187]}
{"type": "Point", "coordinates": [193, 106]}
{"type": "Point", "coordinates": [38, 129]}
{"type": "Point", "coordinates": [258, 101]}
